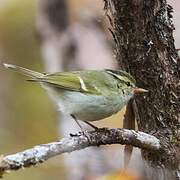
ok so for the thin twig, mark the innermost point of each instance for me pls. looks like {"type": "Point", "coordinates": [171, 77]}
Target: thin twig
{"type": "Point", "coordinates": [128, 123]}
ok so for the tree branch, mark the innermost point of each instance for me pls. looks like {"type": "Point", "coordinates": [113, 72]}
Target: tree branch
{"type": "Point", "coordinates": [39, 154]}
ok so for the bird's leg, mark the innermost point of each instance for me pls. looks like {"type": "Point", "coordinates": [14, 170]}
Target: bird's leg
{"type": "Point", "coordinates": [82, 130]}
{"type": "Point", "coordinates": [77, 122]}
{"type": "Point", "coordinates": [93, 126]}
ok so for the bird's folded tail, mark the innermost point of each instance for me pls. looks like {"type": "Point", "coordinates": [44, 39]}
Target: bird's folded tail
{"type": "Point", "coordinates": [33, 74]}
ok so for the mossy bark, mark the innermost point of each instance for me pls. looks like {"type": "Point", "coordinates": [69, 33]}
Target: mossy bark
{"type": "Point", "coordinates": [143, 35]}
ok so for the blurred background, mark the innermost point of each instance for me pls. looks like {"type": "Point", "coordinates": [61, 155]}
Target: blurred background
{"type": "Point", "coordinates": [52, 36]}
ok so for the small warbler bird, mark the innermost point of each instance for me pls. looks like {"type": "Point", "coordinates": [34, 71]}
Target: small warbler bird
{"type": "Point", "coordinates": [86, 95]}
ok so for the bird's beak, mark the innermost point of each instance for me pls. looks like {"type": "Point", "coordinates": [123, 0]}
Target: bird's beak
{"type": "Point", "coordinates": [140, 90]}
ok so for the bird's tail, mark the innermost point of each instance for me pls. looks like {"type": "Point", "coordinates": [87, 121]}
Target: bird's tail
{"type": "Point", "coordinates": [27, 72]}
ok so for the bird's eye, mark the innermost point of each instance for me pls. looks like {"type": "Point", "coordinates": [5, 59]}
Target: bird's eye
{"type": "Point", "coordinates": [128, 83]}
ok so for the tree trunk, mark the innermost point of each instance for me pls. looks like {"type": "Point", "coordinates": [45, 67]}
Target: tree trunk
{"type": "Point", "coordinates": [143, 33]}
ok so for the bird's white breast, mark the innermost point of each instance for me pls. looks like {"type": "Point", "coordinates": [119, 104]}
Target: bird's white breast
{"type": "Point", "coordinates": [88, 106]}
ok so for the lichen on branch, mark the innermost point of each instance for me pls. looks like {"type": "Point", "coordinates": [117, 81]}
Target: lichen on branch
{"type": "Point", "coordinates": [103, 136]}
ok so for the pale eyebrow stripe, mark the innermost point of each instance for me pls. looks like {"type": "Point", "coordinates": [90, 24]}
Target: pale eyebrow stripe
{"type": "Point", "coordinates": [121, 73]}
{"type": "Point", "coordinates": [83, 86]}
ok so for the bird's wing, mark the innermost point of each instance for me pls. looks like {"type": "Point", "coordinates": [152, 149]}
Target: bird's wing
{"type": "Point", "coordinates": [71, 81]}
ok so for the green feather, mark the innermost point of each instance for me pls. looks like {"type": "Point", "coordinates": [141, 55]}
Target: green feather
{"type": "Point", "coordinates": [69, 80]}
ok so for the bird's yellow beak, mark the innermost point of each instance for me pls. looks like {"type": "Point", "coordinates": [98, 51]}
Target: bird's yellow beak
{"type": "Point", "coordinates": [140, 90]}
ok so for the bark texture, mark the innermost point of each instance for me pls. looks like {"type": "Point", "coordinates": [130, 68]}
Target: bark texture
{"type": "Point", "coordinates": [143, 33]}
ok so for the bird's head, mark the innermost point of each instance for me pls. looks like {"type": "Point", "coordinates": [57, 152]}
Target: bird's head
{"type": "Point", "coordinates": [125, 82]}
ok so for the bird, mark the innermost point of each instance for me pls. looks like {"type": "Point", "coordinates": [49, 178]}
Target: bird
{"type": "Point", "coordinates": [88, 95]}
